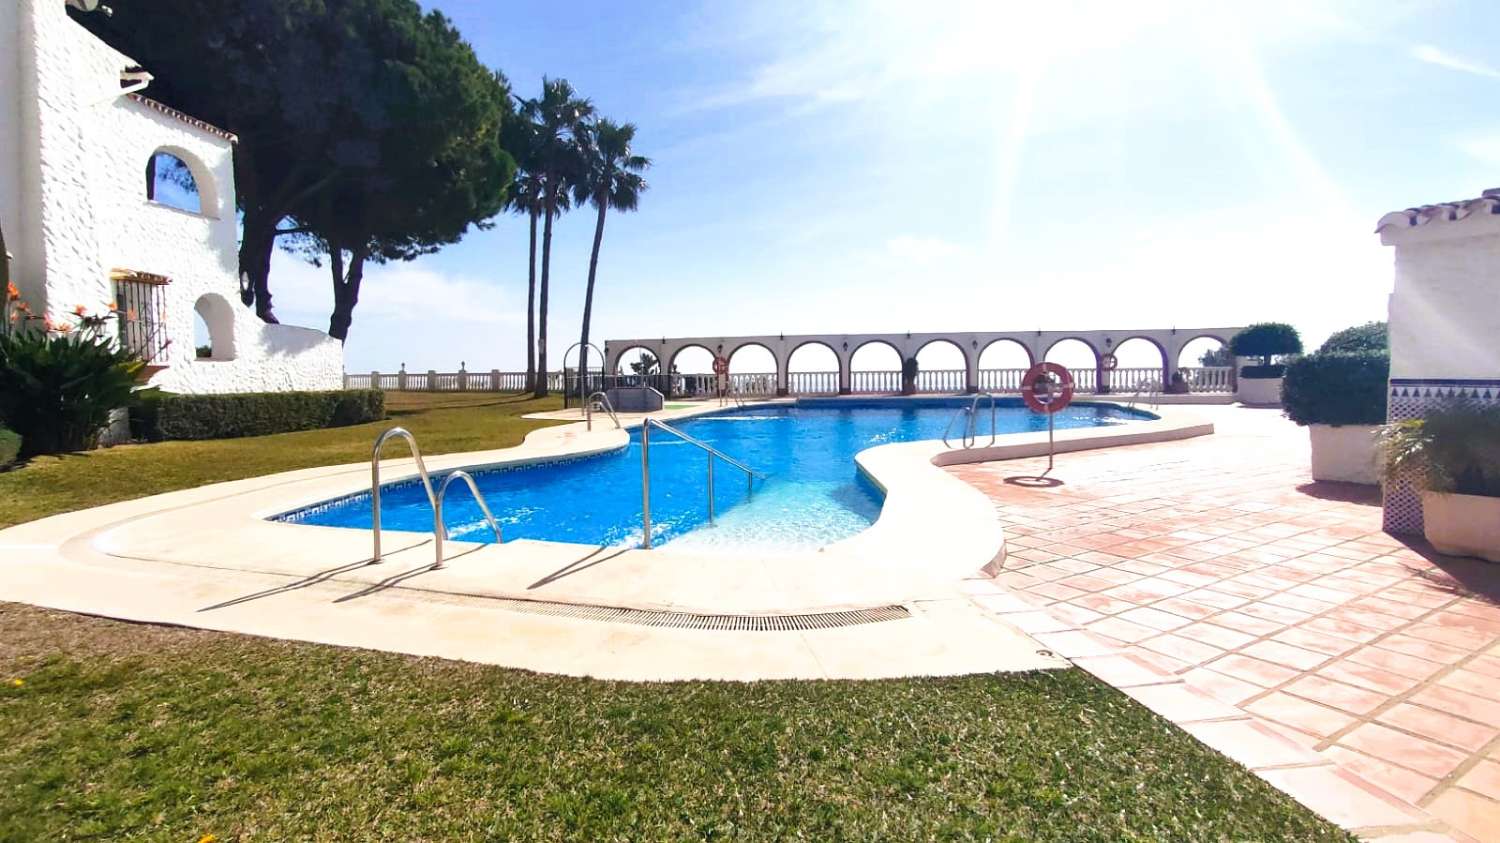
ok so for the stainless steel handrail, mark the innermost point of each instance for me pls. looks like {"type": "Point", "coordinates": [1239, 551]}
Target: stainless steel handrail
{"type": "Point", "coordinates": [588, 410]}
{"type": "Point", "coordinates": [750, 473]}
{"type": "Point", "coordinates": [375, 482]}
{"type": "Point", "coordinates": [971, 431]}
{"type": "Point", "coordinates": [437, 511]}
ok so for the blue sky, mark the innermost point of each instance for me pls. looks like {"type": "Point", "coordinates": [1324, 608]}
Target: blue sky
{"type": "Point", "coordinates": [873, 166]}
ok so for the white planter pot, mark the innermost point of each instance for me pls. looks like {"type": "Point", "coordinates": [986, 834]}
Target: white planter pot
{"type": "Point", "coordinates": [1462, 525]}
{"type": "Point", "coordinates": [1344, 453]}
{"type": "Point", "coordinates": [1266, 391]}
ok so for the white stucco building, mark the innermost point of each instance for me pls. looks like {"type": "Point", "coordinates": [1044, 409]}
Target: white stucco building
{"type": "Point", "coordinates": [1444, 317]}
{"type": "Point", "coordinates": [77, 134]}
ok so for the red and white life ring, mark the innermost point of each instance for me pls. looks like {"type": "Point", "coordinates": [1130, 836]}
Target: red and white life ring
{"type": "Point", "coordinates": [1047, 387]}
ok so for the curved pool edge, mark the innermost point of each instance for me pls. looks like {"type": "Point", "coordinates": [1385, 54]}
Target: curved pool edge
{"type": "Point", "coordinates": [206, 558]}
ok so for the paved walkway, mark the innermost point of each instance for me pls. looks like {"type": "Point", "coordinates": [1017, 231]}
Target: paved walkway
{"type": "Point", "coordinates": [1270, 616]}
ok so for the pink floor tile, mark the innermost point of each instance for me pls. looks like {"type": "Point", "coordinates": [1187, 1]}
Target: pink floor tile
{"type": "Point", "coordinates": [1298, 713]}
{"type": "Point", "coordinates": [1251, 743]}
{"type": "Point", "coordinates": [1439, 726]}
{"type": "Point", "coordinates": [1182, 704]}
{"type": "Point", "coordinates": [1349, 698]}
{"type": "Point", "coordinates": [1220, 687]}
{"type": "Point", "coordinates": [1342, 797]}
{"type": "Point", "coordinates": [1254, 671]}
{"type": "Point", "coordinates": [1405, 750]}
{"type": "Point", "coordinates": [1285, 654]}
{"type": "Point", "coordinates": [1398, 781]}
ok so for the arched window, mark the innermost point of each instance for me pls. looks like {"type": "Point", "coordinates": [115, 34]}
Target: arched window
{"type": "Point", "coordinates": [215, 333]}
{"type": "Point", "coordinates": [170, 182]}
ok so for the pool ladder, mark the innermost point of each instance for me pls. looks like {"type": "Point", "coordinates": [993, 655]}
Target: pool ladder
{"type": "Point", "coordinates": [971, 414]}
{"type": "Point", "coordinates": [599, 401]}
{"type": "Point", "coordinates": [439, 532]}
{"type": "Point", "coordinates": [750, 473]}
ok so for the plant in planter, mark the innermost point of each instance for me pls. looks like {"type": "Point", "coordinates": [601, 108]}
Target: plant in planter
{"type": "Point", "coordinates": [1267, 342]}
{"type": "Point", "coordinates": [59, 381]}
{"type": "Point", "coordinates": [909, 376]}
{"type": "Point", "coordinates": [1340, 397]}
{"type": "Point", "coordinates": [1453, 458]}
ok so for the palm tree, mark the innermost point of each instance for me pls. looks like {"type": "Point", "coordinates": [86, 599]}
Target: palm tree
{"type": "Point", "coordinates": [526, 197]}
{"type": "Point", "coordinates": [558, 117]}
{"type": "Point", "coordinates": [611, 179]}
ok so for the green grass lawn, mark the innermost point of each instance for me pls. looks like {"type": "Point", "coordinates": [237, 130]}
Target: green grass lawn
{"type": "Point", "coordinates": [442, 423]}
{"type": "Point", "coordinates": [133, 732]}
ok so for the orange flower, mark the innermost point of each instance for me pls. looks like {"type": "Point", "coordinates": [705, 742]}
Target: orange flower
{"type": "Point", "coordinates": [64, 328]}
{"type": "Point", "coordinates": [12, 292]}
{"type": "Point", "coordinates": [114, 307]}
{"type": "Point", "coordinates": [80, 310]}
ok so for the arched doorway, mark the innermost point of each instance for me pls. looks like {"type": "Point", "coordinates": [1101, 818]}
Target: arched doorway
{"type": "Point", "coordinates": [1002, 365]}
{"type": "Point", "coordinates": [692, 372]}
{"type": "Point", "coordinates": [875, 367]}
{"type": "Point", "coordinates": [1206, 365]}
{"type": "Point", "coordinates": [752, 370]}
{"type": "Point", "coordinates": [942, 367]}
{"type": "Point", "coordinates": [1140, 364]}
{"type": "Point", "coordinates": [215, 321]}
{"type": "Point", "coordinates": [1080, 358]}
{"type": "Point", "coordinates": [813, 369]}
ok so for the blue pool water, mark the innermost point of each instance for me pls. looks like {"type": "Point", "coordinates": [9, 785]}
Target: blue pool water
{"type": "Point", "coordinates": [814, 493]}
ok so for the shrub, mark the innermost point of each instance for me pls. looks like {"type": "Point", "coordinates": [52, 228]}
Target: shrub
{"type": "Point", "coordinates": [1331, 388]}
{"type": "Point", "coordinates": [1265, 340]}
{"type": "Point", "coordinates": [10, 446]}
{"type": "Point", "coordinates": [1454, 449]}
{"type": "Point", "coordinates": [1371, 336]}
{"type": "Point", "coordinates": [256, 413]}
{"type": "Point", "coordinates": [60, 381]}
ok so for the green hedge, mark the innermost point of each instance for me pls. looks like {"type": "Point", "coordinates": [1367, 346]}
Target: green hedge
{"type": "Point", "coordinates": [1275, 370]}
{"type": "Point", "coordinates": [169, 416]}
{"type": "Point", "coordinates": [1337, 388]}
{"type": "Point", "coordinates": [10, 446]}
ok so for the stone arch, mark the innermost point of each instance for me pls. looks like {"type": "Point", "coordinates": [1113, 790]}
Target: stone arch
{"type": "Point", "coordinates": [939, 374]}
{"type": "Point", "coordinates": [1133, 368]}
{"type": "Point", "coordinates": [762, 376]}
{"type": "Point", "coordinates": [896, 364]}
{"type": "Point", "coordinates": [632, 354]}
{"type": "Point", "coordinates": [1085, 370]}
{"type": "Point", "coordinates": [828, 376]}
{"type": "Point", "coordinates": [1194, 360]}
{"type": "Point", "coordinates": [691, 377]}
{"type": "Point", "coordinates": [963, 356]}
{"type": "Point", "coordinates": [218, 319]}
{"type": "Point", "coordinates": [885, 378]}
{"type": "Point", "coordinates": [759, 369]}
{"type": "Point", "coordinates": [178, 179]}
{"type": "Point", "coordinates": [1006, 343]}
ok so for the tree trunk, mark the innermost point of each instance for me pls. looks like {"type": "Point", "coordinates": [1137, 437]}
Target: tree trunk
{"type": "Point", "coordinates": [588, 301]}
{"type": "Point", "coordinates": [345, 289]}
{"type": "Point", "coordinates": [256, 244]}
{"type": "Point", "coordinates": [531, 309]}
{"type": "Point", "coordinates": [540, 391]}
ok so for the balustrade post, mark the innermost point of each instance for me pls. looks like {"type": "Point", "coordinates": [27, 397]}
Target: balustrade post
{"type": "Point", "coordinates": [375, 379]}
{"type": "Point", "coordinates": [431, 380]}
{"type": "Point", "coordinates": [401, 379]}
{"type": "Point", "coordinates": [494, 380]}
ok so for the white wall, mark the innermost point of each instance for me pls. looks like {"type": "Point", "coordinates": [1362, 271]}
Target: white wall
{"type": "Point", "coordinates": [1445, 311]}
{"type": "Point", "coordinates": [83, 150]}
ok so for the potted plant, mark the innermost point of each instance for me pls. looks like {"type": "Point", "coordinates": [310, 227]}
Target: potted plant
{"type": "Point", "coordinates": [1340, 397]}
{"type": "Point", "coordinates": [1260, 383]}
{"type": "Point", "coordinates": [1453, 458]}
{"type": "Point", "coordinates": [909, 376]}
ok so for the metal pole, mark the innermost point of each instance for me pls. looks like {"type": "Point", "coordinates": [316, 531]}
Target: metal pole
{"type": "Point", "coordinates": [375, 499]}
{"type": "Point", "coordinates": [437, 531]}
{"type": "Point", "coordinates": [710, 488]}
{"type": "Point", "coordinates": [646, 484]}
{"type": "Point", "coordinates": [1050, 444]}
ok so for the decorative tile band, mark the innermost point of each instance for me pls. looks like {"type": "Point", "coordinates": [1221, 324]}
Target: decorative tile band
{"type": "Point", "coordinates": [1412, 398]}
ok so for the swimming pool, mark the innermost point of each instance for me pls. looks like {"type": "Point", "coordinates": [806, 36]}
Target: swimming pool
{"type": "Point", "coordinates": [813, 493]}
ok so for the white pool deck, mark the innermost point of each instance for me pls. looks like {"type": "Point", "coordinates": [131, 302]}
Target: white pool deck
{"type": "Point", "coordinates": [207, 558]}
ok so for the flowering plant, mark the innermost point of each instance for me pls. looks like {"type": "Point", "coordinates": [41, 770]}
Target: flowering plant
{"type": "Point", "coordinates": [60, 379]}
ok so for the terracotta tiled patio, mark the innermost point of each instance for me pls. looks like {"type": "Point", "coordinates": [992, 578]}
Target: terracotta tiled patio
{"type": "Point", "coordinates": [1269, 616]}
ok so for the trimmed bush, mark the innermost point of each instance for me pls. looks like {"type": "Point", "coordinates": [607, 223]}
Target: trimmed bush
{"type": "Point", "coordinates": [1265, 340]}
{"type": "Point", "coordinates": [1371, 336]}
{"type": "Point", "coordinates": [10, 446]}
{"type": "Point", "coordinates": [168, 416]}
{"type": "Point", "coordinates": [1337, 389]}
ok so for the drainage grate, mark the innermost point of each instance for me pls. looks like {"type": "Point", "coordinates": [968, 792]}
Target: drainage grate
{"type": "Point", "coordinates": [689, 620]}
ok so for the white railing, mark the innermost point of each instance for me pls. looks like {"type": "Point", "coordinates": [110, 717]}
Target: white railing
{"type": "Point", "coordinates": [813, 383]}
{"type": "Point", "coordinates": [753, 383]}
{"type": "Point", "coordinates": [1131, 379]}
{"type": "Point", "coordinates": [1209, 378]}
{"type": "Point", "coordinates": [1001, 380]}
{"type": "Point", "coordinates": [874, 382]}
{"type": "Point", "coordinates": [941, 380]}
